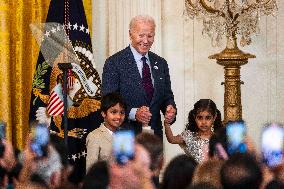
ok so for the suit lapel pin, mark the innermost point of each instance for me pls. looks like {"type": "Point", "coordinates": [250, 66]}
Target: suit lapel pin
{"type": "Point", "coordinates": [155, 67]}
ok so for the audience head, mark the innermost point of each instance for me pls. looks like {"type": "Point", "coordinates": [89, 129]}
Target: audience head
{"type": "Point", "coordinates": [208, 172]}
{"type": "Point", "coordinates": [154, 145]}
{"type": "Point", "coordinates": [69, 178]}
{"type": "Point", "coordinates": [142, 33]}
{"type": "Point", "coordinates": [49, 169]}
{"type": "Point", "coordinates": [274, 184]}
{"type": "Point", "coordinates": [97, 176]}
{"type": "Point", "coordinates": [204, 109]}
{"type": "Point", "coordinates": [202, 185]}
{"type": "Point", "coordinates": [179, 172]}
{"type": "Point", "coordinates": [241, 171]}
{"type": "Point", "coordinates": [133, 173]}
{"type": "Point", "coordinates": [59, 145]}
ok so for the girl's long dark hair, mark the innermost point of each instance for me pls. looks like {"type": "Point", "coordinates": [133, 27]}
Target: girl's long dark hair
{"type": "Point", "coordinates": [200, 106]}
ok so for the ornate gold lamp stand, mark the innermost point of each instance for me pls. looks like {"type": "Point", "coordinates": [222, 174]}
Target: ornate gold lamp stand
{"type": "Point", "coordinates": [232, 58]}
{"type": "Point", "coordinates": [230, 18]}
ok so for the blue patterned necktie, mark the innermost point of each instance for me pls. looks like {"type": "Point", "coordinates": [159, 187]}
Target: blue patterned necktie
{"type": "Point", "coordinates": [147, 80]}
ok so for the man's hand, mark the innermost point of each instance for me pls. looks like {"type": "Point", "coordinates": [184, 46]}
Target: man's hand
{"type": "Point", "coordinates": [143, 115]}
{"type": "Point", "coordinates": [170, 114]}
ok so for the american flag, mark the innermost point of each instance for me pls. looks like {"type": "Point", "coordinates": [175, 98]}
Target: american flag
{"type": "Point", "coordinates": [55, 104]}
{"type": "Point", "coordinates": [71, 15]}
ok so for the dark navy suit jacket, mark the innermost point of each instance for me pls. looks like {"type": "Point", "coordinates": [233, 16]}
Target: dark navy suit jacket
{"type": "Point", "coordinates": [120, 74]}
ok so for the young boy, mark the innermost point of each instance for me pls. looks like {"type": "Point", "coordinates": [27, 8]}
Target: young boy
{"type": "Point", "coordinates": [99, 141]}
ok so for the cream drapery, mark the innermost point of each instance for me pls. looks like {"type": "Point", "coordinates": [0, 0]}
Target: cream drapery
{"type": "Point", "coordinates": [18, 58]}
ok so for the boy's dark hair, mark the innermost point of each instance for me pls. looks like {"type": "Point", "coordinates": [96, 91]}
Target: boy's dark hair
{"type": "Point", "coordinates": [241, 171]}
{"type": "Point", "coordinates": [200, 106]}
{"type": "Point", "coordinates": [110, 100]}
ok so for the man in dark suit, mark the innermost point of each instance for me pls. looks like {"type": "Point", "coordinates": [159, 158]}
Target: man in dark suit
{"type": "Point", "coordinates": [142, 78]}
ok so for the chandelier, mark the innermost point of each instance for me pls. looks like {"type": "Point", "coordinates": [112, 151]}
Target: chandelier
{"type": "Point", "coordinates": [230, 17]}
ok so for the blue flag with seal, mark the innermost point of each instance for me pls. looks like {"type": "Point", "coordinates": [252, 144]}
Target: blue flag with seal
{"type": "Point", "coordinates": [65, 38]}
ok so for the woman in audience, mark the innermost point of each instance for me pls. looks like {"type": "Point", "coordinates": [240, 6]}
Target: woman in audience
{"type": "Point", "coordinates": [203, 119]}
{"type": "Point", "coordinates": [99, 141]}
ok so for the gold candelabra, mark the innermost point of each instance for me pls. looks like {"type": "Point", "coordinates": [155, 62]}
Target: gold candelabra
{"type": "Point", "coordinates": [230, 18]}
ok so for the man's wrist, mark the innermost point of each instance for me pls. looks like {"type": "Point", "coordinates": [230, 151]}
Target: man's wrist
{"type": "Point", "coordinates": [147, 129]}
{"type": "Point", "coordinates": [132, 114]}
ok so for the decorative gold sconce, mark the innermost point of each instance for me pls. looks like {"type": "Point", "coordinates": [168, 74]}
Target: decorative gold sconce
{"type": "Point", "coordinates": [230, 18]}
{"type": "Point", "coordinates": [232, 58]}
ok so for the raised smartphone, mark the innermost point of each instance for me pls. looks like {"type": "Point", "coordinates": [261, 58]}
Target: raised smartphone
{"type": "Point", "coordinates": [123, 146]}
{"type": "Point", "coordinates": [2, 136]}
{"type": "Point", "coordinates": [40, 140]}
{"type": "Point", "coordinates": [272, 139]}
{"type": "Point", "coordinates": [236, 132]}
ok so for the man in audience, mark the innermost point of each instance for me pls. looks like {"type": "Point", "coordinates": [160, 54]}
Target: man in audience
{"type": "Point", "coordinates": [135, 174]}
{"type": "Point", "coordinates": [40, 172]}
{"type": "Point", "coordinates": [241, 171]}
{"type": "Point", "coordinates": [154, 146]}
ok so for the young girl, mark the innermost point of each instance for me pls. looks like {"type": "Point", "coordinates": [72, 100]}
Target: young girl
{"type": "Point", "coordinates": [99, 141]}
{"type": "Point", "coordinates": [202, 121]}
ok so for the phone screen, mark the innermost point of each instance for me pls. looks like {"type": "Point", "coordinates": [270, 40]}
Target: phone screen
{"type": "Point", "coordinates": [2, 136]}
{"type": "Point", "coordinates": [40, 139]}
{"type": "Point", "coordinates": [236, 132]}
{"type": "Point", "coordinates": [123, 146]}
{"type": "Point", "coordinates": [272, 144]}
{"type": "Point", "coordinates": [2, 130]}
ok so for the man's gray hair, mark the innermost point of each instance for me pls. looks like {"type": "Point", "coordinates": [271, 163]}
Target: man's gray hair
{"type": "Point", "coordinates": [141, 18]}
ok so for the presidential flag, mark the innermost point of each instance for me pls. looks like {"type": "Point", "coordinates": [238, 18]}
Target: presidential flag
{"type": "Point", "coordinates": [65, 37]}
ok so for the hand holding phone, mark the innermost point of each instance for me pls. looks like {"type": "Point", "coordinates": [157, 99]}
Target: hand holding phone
{"type": "Point", "coordinates": [236, 133]}
{"type": "Point", "coordinates": [40, 140]}
{"type": "Point", "coordinates": [272, 144]}
{"type": "Point", "coordinates": [2, 136]}
{"type": "Point", "coordinates": [123, 146]}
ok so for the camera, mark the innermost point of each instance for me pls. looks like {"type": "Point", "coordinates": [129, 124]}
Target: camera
{"type": "Point", "coordinates": [272, 139]}
{"type": "Point", "coordinates": [123, 146]}
{"type": "Point", "coordinates": [2, 136]}
{"type": "Point", "coordinates": [236, 132]}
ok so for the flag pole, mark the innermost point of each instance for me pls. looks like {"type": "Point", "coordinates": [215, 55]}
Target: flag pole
{"type": "Point", "coordinates": [65, 67]}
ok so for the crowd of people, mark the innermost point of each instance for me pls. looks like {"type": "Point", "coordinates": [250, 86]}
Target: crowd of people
{"type": "Point", "coordinates": [217, 169]}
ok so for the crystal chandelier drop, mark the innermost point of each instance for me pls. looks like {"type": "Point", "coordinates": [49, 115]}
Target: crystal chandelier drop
{"type": "Point", "coordinates": [230, 17]}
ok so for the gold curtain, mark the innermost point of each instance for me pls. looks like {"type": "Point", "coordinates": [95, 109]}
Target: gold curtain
{"type": "Point", "coordinates": [18, 58]}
